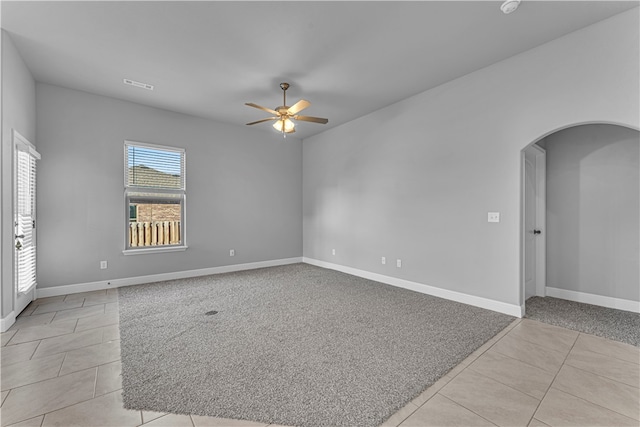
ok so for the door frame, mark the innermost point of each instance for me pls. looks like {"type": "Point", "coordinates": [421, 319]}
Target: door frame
{"type": "Point", "coordinates": [20, 303]}
{"type": "Point", "coordinates": [541, 211]}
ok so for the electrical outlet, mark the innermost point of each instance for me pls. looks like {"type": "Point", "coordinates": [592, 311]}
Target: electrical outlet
{"type": "Point", "coordinates": [493, 217]}
{"type": "Point", "coordinates": [333, 251]}
{"type": "Point", "coordinates": [232, 252]}
{"type": "Point", "coordinates": [103, 265]}
{"type": "Point", "coordinates": [383, 260]}
{"type": "Point", "coordinates": [399, 263]}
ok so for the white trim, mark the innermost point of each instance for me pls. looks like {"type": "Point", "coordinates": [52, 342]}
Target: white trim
{"type": "Point", "coordinates": [20, 300]}
{"type": "Point", "coordinates": [6, 322]}
{"type": "Point", "coordinates": [541, 221]}
{"type": "Point", "coordinates": [593, 299]}
{"type": "Point", "coordinates": [156, 146]}
{"type": "Point", "coordinates": [116, 283]}
{"type": "Point", "coordinates": [154, 250]}
{"type": "Point", "coordinates": [30, 147]}
{"type": "Point", "coordinates": [540, 167]}
{"type": "Point", "coordinates": [501, 307]}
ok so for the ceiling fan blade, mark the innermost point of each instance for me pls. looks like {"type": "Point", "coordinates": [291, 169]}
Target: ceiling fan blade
{"type": "Point", "coordinates": [298, 106]}
{"type": "Point", "coordinates": [311, 119]}
{"type": "Point", "coordinates": [263, 120]}
{"type": "Point", "coordinates": [259, 107]}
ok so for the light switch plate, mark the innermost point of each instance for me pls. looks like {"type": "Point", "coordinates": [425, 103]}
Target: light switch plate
{"type": "Point", "coordinates": [493, 217]}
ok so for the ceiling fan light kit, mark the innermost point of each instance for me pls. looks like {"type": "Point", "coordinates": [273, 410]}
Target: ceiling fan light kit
{"type": "Point", "coordinates": [285, 115]}
{"type": "Point", "coordinates": [285, 125]}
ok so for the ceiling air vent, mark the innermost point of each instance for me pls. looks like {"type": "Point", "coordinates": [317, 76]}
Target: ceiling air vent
{"type": "Point", "coordinates": [509, 6]}
{"type": "Point", "coordinates": [138, 84]}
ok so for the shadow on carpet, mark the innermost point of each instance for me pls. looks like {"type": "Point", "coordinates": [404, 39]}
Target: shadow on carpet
{"type": "Point", "coordinates": [292, 345]}
{"type": "Point", "coordinates": [617, 325]}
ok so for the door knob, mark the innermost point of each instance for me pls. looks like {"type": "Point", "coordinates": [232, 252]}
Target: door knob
{"type": "Point", "coordinates": [537, 232]}
{"type": "Point", "coordinates": [18, 245]}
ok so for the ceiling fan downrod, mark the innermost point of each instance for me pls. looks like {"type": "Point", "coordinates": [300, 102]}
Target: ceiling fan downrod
{"type": "Point", "coordinates": [284, 87]}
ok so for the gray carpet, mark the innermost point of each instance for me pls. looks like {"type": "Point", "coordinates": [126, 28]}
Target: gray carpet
{"type": "Point", "coordinates": [292, 345]}
{"type": "Point", "coordinates": [618, 325]}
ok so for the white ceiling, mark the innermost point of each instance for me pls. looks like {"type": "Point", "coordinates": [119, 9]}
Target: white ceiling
{"type": "Point", "coordinates": [208, 58]}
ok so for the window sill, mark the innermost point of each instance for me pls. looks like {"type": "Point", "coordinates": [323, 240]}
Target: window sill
{"type": "Point", "coordinates": [156, 250]}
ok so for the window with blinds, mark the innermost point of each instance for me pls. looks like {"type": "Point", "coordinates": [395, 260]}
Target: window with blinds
{"type": "Point", "coordinates": [154, 197]}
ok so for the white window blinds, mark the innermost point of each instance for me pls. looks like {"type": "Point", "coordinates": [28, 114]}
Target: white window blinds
{"type": "Point", "coordinates": [25, 260]}
{"type": "Point", "coordinates": [154, 167]}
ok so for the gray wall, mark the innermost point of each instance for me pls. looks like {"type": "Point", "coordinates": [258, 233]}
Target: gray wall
{"type": "Point", "coordinates": [593, 211]}
{"type": "Point", "coordinates": [19, 113]}
{"type": "Point", "coordinates": [415, 180]}
{"type": "Point", "coordinates": [244, 189]}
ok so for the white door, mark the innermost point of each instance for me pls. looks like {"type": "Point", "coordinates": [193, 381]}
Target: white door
{"type": "Point", "coordinates": [534, 176]}
{"type": "Point", "coordinates": [25, 157]}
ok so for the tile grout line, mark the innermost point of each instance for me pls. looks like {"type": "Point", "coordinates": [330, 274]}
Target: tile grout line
{"type": "Point", "coordinates": [35, 350]}
{"type": "Point", "coordinates": [5, 398]}
{"type": "Point", "coordinates": [609, 355]}
{"type": "Point", "coordinates": [499, 382]}
{"type": "Point", "coordinates": [537, 345]}
{"type": "Point", "coordinates": [76, 403]}
{"type": "Point", "coordinates": [554, 377]}
{"type": "Point", "coordinates": [545, 347]}
{"type": "Point", "coordinates": [526, 363]}
{"type": "Point", "coordinates": [462, 406]}
{"type": "Point", "coordinates": [102, 338]}
{"type": "Point", "coordinates": [507, 385]}
{"type": "Point", "coordinates": [45, 413]}
{"type": "Point", "coordinates": [53, 378]}
{"type": "Point", "coordinates": [95, 382]}
{"type": "Point", "coordinates": [599, 376]}
{"type": "Point", "coordinates": [62, 364]}
{"type": "Point", "coordinates": [595, 404]}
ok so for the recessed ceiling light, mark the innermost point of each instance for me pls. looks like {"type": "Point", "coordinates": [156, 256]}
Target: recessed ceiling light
{"type": "Point", "coordinates": [138, 84]}
{"type": "Point", "coordinates": [509, 6]}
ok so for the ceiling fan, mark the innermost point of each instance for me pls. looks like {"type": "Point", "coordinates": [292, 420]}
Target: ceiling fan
{"type": "Point", "coordinates": [284, 115]}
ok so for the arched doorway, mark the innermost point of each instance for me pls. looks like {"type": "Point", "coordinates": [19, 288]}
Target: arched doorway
{"type": "Point", "coordinates": [584, 216]}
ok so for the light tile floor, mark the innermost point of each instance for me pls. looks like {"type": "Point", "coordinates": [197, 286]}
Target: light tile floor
{"type": "Point", "coordinates": [61, 367]}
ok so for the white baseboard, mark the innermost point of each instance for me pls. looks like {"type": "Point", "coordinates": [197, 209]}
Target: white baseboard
{"type": "Point", "coordinates": [593, 299]}
{"type": "Point", "coordinates": [116, 283]}
{"type": "Point", "coordinates": [501, 307]}
{"type": "Point", "coordinates": [6, 322]}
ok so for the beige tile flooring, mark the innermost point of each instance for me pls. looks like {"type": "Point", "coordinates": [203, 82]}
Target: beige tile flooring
{"type": "Point", "coordinates": [61, 367]}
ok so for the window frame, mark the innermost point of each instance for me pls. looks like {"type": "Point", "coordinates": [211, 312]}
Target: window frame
{"type": "Point", "coordinates": [154, 193]}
